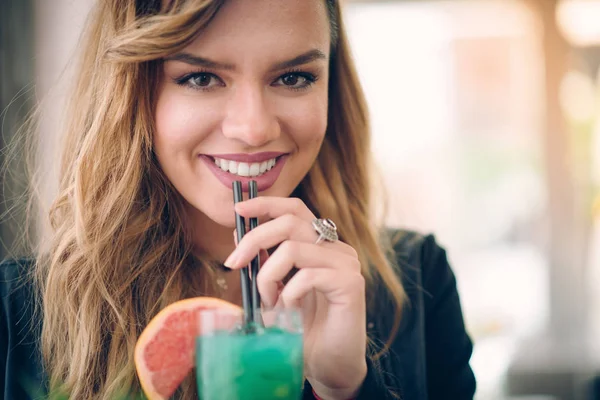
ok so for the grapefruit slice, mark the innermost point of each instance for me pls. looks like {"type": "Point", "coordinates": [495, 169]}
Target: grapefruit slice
{"type": "Point", "coordinates": [164, 352]}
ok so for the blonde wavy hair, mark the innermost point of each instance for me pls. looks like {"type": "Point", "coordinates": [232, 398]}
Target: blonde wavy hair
{"type": "Point", "coordinates": [119, 250]}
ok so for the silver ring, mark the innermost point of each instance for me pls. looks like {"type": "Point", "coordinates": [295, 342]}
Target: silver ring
{"type": "Point", "coordinates": [326, 229]}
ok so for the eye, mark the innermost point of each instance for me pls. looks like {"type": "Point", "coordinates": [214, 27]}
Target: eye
{"type": "Point", "coordinates": [200, 81]}
{"type": "Point", "coordinates": [296, 80]}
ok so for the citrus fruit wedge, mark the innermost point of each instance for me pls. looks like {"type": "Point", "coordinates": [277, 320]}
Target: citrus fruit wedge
{"type": "Point", "coordinates": [164, 352]}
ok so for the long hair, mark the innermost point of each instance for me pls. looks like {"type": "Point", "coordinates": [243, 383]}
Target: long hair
{"type": "Point", "coordinates": [119, 249]}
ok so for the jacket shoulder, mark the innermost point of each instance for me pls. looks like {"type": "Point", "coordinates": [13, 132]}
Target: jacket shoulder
{"type": "Point", "coordinates": [411, 250]}
{"type": "Point", "coordinates": [14, 275]}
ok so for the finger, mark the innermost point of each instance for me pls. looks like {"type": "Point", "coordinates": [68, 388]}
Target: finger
{"type": "Point", "coordinates": [327, 281]}
{"type": "Point", "coordinates": [274, 232]}
{"type": "Point", "coordinates": [303, 256]}
{"type": "Point", "coordinates": [265, 236]}
{"type": "Point", "coordinates": [277, 303]}
{"type": "Point", "coordinates": [272, 207]}
{"type": "Point", "coordinates": [264, 256]}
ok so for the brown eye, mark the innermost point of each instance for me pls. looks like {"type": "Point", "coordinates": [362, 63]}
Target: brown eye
{"type": "Point", "coordinates": [202, 79]}
{"type": "Point", "coordinates": [290, 80]}
{"type": "Point", "coordinates": [296, 80]}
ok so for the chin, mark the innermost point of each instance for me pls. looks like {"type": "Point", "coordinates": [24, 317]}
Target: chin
{"type": "Point", "coordinates": [228, 221]}
{"type": "Point", "coordinates": [223, 216]}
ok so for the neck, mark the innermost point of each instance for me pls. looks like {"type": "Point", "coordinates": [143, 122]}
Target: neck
{"type": "Point", "coordinates": [218, 244]}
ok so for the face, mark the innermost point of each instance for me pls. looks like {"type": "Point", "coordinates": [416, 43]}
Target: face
{"type": "Point", "coordinates": [246, 100]}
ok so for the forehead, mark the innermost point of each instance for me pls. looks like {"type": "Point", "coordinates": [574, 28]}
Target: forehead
{"type": "Point", "coordinates": [259, 27]}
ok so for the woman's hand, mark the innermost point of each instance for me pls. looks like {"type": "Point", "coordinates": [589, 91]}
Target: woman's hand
{"type": "Point", "coordinates": [328, 286]}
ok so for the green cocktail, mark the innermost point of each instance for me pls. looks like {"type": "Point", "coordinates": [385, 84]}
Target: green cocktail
{"type": "Point", "coordinates": [264, 365]}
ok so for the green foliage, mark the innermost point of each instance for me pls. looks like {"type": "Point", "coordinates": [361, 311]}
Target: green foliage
{"type": "Point", "coordinates": [34, 390]}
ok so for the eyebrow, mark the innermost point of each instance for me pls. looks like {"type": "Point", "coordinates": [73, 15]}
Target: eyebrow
{"type": "Point", "coordinates": [199, 61]}
{"type": "Point", "coordinates": [304, 58]}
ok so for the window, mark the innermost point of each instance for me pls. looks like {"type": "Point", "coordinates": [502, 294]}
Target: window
{"type": "Point", "coordinates": [455, 91]}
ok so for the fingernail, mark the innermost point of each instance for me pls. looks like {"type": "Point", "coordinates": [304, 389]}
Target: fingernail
{"type": "Point", "coordinates": [230, 262]}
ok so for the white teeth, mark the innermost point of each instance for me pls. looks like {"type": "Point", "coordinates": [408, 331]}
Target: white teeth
{"type": "Point", "coordinates": [255, 169]}
{"type": "Point", "coordinates": [245, 169]}
{"type": "Point", "coordinates": [233, 166]}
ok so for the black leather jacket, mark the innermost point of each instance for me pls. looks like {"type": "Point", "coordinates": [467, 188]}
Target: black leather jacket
{"type": "Point", "coordinates": [428, 360]}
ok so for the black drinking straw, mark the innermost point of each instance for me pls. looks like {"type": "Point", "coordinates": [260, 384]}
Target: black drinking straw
{"type": "Point", "coordinates": [240, 227]}
{"type": "Point", "coordinates": [254, 265]}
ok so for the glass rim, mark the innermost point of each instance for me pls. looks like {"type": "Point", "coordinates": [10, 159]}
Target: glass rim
{"type": "Point", "coordinates": [262, 310]}
{"type": "Point", "coordinates": [222, 320]}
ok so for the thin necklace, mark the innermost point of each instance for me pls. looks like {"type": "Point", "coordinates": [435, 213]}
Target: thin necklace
{"type": "Point", "coordinates": [222, 283]}
{"type": "Point", "coordinates": [221, 270]}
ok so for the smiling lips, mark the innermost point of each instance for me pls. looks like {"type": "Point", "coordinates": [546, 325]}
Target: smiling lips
{"type": "Point", "coordinates": [264, 168]}
{"type": "Point", "coordinates": [245, 169]}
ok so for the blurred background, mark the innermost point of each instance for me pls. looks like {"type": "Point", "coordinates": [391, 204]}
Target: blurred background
{"type": "Point", "coordinates": [486, 122]}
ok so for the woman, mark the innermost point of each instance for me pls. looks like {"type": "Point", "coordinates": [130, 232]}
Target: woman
{"type": "Point", "coordinates": [174, 100]}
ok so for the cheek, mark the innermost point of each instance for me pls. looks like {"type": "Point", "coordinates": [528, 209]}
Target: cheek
{"type": "Point", "coordinates": [179, 125]}
{"type": "Point", "coordinates": [307, 122]}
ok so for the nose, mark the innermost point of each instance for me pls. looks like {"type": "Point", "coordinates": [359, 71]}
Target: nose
{"type": "Point", "coordinates": [248, 118]}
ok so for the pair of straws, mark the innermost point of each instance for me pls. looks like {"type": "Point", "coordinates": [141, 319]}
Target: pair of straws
{"type": "Point", "coordinates": [250, 295]}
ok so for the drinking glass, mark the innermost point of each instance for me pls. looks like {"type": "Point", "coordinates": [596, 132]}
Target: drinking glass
{"type": "Point", "coordinates": [264, 362]}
